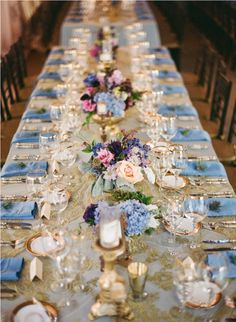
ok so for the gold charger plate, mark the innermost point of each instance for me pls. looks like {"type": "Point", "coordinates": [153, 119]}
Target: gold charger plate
{"type": "Point", "coordinates": [28, 244]}
{"type": "Point", "coordinates": [166, 186]}
{"type": "Point", "coordinates": [215, 301]}
{"type": "Point", "coordinates": [196, 229]}
{"type": "Point", "coordinates": [51, 309]}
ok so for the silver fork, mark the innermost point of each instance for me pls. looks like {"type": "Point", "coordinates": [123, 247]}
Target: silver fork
{"type": "Point", "coordinates": [17, 243]}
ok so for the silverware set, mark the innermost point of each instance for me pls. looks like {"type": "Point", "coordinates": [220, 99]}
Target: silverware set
{"type": "Point", "coordinates": [13, 180]}
{"type": "Point", "coordinates": [17, 243]}
{"type": "Point", "coordinates": [27, 145]}
{"type": "Point", "coordinates": [15, 225]}
{"type": "Point", "coordinates": [7, 293]}
{"type": "Point", "coordinates": [13, 197]}
{"type": "Point", "coordinates": [213, 225]}
{"type": "Point", "coordinates": [25, 157]}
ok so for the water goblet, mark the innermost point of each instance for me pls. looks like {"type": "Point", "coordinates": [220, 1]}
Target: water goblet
{"type": "Point", "coordinates": [168, 126]}
{"type": "Point", "coordinates": [56, 114]}
{"type": "Point", "coordinates": [178, 160]}
{"type": "Point", "coordinates": [48, 142]}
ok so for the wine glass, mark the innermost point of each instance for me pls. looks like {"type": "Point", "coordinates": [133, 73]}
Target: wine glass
{"type": "Point", "coordinates": [56, 114]}
{"type": "Point", "coordinates": [168, 126]}
{"type": "Point", "coordinates": [153, 130]}
{"type": "Point", "coordinates": [178, 161]}
{"type": "Point", "coordinates": [161, 165]}
{"type": "Point", "coordinates": [35, 181]}
{"type": "Point", "coordinates": [48, 142]}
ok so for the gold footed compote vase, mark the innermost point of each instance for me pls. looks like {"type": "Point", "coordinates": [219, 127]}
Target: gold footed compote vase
{"type": "Point", "coordinates": [108, 124]}
{"type": "Point", "coordinates": [112, 299]}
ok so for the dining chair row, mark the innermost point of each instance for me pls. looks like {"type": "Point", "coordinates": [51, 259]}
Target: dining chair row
{"type": "Point", "coordinates": [13, 73]}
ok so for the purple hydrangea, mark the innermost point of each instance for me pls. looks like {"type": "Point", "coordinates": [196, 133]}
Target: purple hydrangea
{"type": "Point", "coordinates": [89, 214]}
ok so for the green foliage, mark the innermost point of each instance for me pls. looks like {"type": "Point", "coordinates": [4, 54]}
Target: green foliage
{"type": "Point", "coordinates": [215, 205]}
{"type": "Point", "coordinates": [21, 165]}
{"type": "Point", "coordinates": [89, 147]}
{"type": "Point", "coordinates": [7, 204]}
{"type": "Point", "coordinates": [41, 110]}
{"type": "Point", "coordinates": [200, 166]}
{"type": "Point", "coordinates": [136, 95]}
{"type": "Point", "coordinates": [185, 132]}
{"type": "Point", "coordinates": [121, 195]}
{"type": "Point", "coordinates": [88, 118]}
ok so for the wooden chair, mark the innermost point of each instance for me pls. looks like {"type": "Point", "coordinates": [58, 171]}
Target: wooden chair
{"type": "Point", "coordinates": [18, 49]}
{"type": "Point", "coordinates": [13, 70]}
{"type": "Point", "coordinates": [232, 129]}
{"type": "Point", "coordinates": [220, 102]}
{"type": "Point", "coordinates": [7, 98]}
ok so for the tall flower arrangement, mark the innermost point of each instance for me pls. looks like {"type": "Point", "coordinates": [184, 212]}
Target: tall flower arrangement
{"type": "Point", "coordinates": [110, 88]}
{"type": "Point", "coordinates": [119, 163]}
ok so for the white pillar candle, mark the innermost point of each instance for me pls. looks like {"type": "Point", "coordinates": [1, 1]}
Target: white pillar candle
{"type": "Point", "coordinates": [101, 108]}
{"type": "Point", "coordinates": [110, 233]}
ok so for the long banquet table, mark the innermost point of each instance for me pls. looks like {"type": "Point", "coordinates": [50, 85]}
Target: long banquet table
{"type": "Point", "coordinates": [161, 304]}
{"type": "Point", "coordinates": [77, 19]}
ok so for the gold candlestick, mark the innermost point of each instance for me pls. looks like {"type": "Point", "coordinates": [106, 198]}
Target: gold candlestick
{"type": "Point", "coordinates": [106, 123]}
{"type": "Point", "coordinates": [112, 300]}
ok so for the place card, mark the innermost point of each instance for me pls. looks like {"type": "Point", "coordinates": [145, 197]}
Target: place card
{"type": "Point", "coordinates": [55, 168]}
{"type": "Point", "coordinates": [36, 269]}
{"type": "Point", "coordinates": [45, 210]}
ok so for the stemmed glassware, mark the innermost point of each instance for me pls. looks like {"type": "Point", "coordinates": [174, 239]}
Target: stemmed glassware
{"type": "Point", "coordinates": [161, 165]}
{"type": "Point", "coordinates": [169, 127]}
{"type": "Point", "coordinates": [178, 161]}
{"type": "Point", "coordinates": [35, 181]}
{"type": "Point", "coordinates": [48, 142]}
{"type": "Point", "coordinates": [56, 114]}
{"type": "Point", "coordinates": [59, 201]}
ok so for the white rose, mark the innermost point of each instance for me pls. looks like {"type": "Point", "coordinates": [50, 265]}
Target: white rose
{"type": "Point", "coordinates": [129, 172]}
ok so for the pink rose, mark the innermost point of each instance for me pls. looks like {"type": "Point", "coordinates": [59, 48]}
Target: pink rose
{"type": "Point", "coordinates": [105, 156]}
{"type": "Point", "coordinates": [90, 90]}
{"type": "Point", "coordinates": [131, 173]}
{"type": "Point", "coordinates": [88, 106]}
{"type": "Point", "coordinates": [116, 77]}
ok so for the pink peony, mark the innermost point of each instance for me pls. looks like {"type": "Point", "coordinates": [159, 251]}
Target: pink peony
{"type": "Point", "coordinates": [116, 77]}
{"type": "Point", "coordinates": [90, 90]}
{"type": "Point", "coordinates": [94, 51]}
{"type": "Point", "coordinates": [88, 106]}
{"type": "Point", "coordinates": [105, 156]}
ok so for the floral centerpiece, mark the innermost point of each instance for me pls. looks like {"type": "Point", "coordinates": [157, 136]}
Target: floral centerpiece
{"type": "Point", "coordinates": [119, 163]}
{"type": "Point", "coordinates": [108, 93]}
{"type": "Point", "coordinates": [96, 50]}
{"type": "Point", "coordinates": [137, 211]}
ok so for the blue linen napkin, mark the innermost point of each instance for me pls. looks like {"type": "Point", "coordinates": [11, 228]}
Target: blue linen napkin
{"type": "Point", "coordinates": [73, 19]}
{"type": "Point", "coordinates": [57, 51]}
{"type": "Point", "coordinates": [50, 75]}
{"type": "Point", "coordinates": [178, 110]}
{"type": "Point", "coordinates": [190, 135]}
{"type": "Point", "coordinates": [162, 74]}
{"type": "Point", "coordinates": [41, 114]}
{"type": "Point", "coordinates": [52, 93]}
{"type": "Point", "coordinates": [18, 210]}
{"type": "Point", "coordinates": [227, 207]}
{"type": "Point", "coordinates": [10, 268]}
{"type": "Point", "coordinates": [164, 61]}
{"type": "Point", "coordinates": [17, 169]}
{"type": "Point", "coordinates": [56, 62]}
{"type": "Point", "coordinates": [172, 89]}
{"type": "Point", "coordinates": [162, 50]}
{"type": "Point", "coordinates": [26, 137]}
{"type": "Point", "coordinates": [210, 169]}
{"type": "Point", "coordinates": [230, 257]}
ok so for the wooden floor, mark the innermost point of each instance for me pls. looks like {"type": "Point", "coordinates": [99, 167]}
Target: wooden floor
{"type": "Point", "coordinates": [189, 52]}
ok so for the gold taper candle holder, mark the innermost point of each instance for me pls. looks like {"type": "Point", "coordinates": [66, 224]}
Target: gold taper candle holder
{"type": "Point", "coordinates": [107, 123]}
{"type": "Point", "coordinates": [112, 299]}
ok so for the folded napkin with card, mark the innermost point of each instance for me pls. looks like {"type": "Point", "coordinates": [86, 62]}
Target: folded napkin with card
{"type": "Point", "coordinates": [178, 110]}
{"type": "Point", "coordinates": [22, 168]}
{"type": "Point", "coordinates": [172, 89]}
{"type": "Point", "coordinates": [39, 114]}
{"type": "Point", "coordinates": [230, 257]}
{"type": "Point", "coordinates": [50, 75]}
{"type": "Point", "coordinates": [52, 93]}
{"type": "Point", "coordinates": [221, 207]}
{"type": "Point", "coordinates": [204, 168]}
{"type": "Point", "coordinates": [26, 137]}
{"type": "Point", "coordinates": [18, 210]}
{"type": "Point", "coordinates": [162, 74]}
{"type": "Point", "coordinates": [10, 268]}
{"type": "Point", "coordinates": [188, 135]}
{"type": "Point", "coordinates": [164, 61]}
{"type": "Point", "coordinates": [57, 51]}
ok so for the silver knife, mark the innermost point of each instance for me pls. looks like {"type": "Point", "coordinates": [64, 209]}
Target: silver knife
{"type": "Point", "coordinates": [13, 180]}
{"type": "Point", "coordinates": [219, 249]}
{"type": "Point", "coordinates": [23, 157]}
{"type": "Point", "coordinates": [27, 145]}
{"type": "Point", "coordinates": [197, 146]}
{"type": "Point", "coordinates": [186, 118]}
{"type": "Point", "coordinates": [15, 225]}
{"type": "Point", "coordinates": [202, 158]}
{"type": "Point", "coordinates": [37, 121]}
{"type": "Point", "coordinates": [219, 241]}
{"type": "Point", "coordinates": [13, 197]}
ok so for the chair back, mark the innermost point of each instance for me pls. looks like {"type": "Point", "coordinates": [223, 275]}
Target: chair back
{"type": "Point", "coordinates": [12, 63]}
{"type": "Point", "coordinates": [232, 129]}
{"type": "Point", "coordinates": [7, 98]}
{"type": "Point", "coordinates": [220, 101]}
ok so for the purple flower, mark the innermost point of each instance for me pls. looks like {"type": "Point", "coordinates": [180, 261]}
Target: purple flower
{"type": "Point", "coordinates": [91, 80]}
{"type": "Point", "coordinates": [116, 148]}
{"type": "Point", "coordinates": [89, 214]}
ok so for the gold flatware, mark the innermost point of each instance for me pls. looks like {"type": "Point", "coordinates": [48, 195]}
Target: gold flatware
{"type": "Point", "coordinates": [7, 293]}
